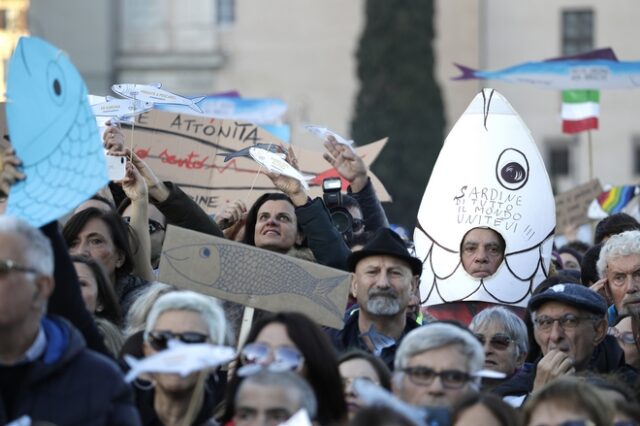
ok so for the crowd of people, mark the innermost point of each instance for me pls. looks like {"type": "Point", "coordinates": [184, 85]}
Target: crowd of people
{"type": "Point", "coordinates": [79, 296]}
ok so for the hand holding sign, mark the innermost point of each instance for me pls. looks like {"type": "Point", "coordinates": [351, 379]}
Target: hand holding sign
{"type": "Point", "coordinates": [9, 173]}
{"type": "Point", "coordinates": [285, 177]}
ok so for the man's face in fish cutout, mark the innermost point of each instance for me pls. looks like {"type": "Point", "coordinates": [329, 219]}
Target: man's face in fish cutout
{"type": "Point", "coordinates": [482, 252]}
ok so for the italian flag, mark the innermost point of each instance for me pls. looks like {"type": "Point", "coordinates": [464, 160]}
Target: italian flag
{"type": "Point", "coordinates": [580, 110]}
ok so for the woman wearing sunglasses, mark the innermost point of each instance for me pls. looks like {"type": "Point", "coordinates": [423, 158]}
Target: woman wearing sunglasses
{"type": "Point", "coordinates": [503, 336]}
{"type": "Point", "coordinates": [291, 341]}
{"type": "Point", "coordinates": [190, 318]}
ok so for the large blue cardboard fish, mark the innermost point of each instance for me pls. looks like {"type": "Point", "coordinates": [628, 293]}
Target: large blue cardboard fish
{"type": "Point", "coordinates": [54, 133]}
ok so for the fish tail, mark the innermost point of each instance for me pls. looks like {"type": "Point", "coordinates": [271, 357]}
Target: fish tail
{"type": "Point", "coordinates": [322, 290]}
{"type": "Point", "coordinates": [467, 73]}
{"type": "Point", "coordinates": [195, 107]}
{"type": "Point", "coordinates": [197, 100]}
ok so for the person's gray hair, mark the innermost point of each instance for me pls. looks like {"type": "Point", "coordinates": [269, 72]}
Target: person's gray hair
{"type": "Point", "coordinates": [506, 319]}
{"type": "Point", "coordinates": [619, 245]}
{"type": "Point", "coordinates": [436, 336]}
{"type": "Point", "coordinates": [208, 308]}
{"type": "Point", "coordinates": [288, 381]}
{"type": "Point", "coordinates": [38, 251]}
{"type": "Point", "coordinates": [139, 311]}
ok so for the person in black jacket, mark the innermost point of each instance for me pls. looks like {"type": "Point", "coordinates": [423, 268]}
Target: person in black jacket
{"type": "Point", "coordinates": [44, 364]}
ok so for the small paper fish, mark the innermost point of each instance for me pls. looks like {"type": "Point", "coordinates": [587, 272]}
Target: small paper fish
{"type": "Point", "coordinates": [120, 108]}
{"type": "Point", "coordinates": [323, 132]}
{"type": "Point", "coordinates": [182, 359]}
{"type": "Point", "coordinates": [373, 395]}
{"type": "Point", "coordinates": [154, 94]}
{"type": "Point", "coordinates": [276, 149]}
{"type": "Point", "coordinates": [276, 164]}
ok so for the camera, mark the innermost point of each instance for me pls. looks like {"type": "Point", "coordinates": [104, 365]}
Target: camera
{"type": "Point", "coordinates": [332, 196]}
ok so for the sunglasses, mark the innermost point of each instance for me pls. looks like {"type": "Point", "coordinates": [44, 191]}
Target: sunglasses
{"type": "Point", "coordinates": [424, 376]}
{"type": "Point", "coordinates": [154, 226]}
{"type": "Point", "coordinates": [286, 357]}
{"type": "Point", "coordinates": [8, 265]}
{"type": "Point", "coordinates": [499, 342]}
{"type": "Point", "coordinates": [159, 340]}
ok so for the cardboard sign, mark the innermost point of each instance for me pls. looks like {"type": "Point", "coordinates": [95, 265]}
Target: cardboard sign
{"type": "Point", "coordinates": [572, 205]}
{"type": "Point", "coordinates": [253, 277]}
{"type": "Point", "coordinates": [183, 148]}
{"type": "Point", "coordinates": [489, 174]}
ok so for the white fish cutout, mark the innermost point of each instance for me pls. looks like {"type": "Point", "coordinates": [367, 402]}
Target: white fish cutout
{"type": "Point", "coordinates": [323, 132]}
{"type": "Point", "coordinates": [154, 94]}
{"type": "Point", "coordinates": [120, 108]}
{"type": "Point", "coordinates": [276, 164]}
{"type": "Point", "coordinates": [489, 174]}
{"type": "Point", "coordinates": [180, 358]}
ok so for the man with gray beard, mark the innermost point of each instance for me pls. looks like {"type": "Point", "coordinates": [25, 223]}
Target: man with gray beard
{"type": "Point", "coordinates": [385, 276]}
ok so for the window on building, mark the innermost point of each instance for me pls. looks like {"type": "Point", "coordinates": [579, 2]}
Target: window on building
{"type": "Point", "coordinates": [577, 31]}
{"type": "Point", "coordinates": [636, 155]}
{"type": "Point", "coordinates": [225, 12]}
{"type": "Point", "coordinates": [559, 160]}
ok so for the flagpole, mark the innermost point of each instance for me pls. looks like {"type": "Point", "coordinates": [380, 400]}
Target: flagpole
{"type": "Point", "coordinates": [590, 155]}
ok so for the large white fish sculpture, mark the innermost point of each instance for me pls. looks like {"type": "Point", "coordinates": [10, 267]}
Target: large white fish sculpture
{"type": "Point", "coordinates": [154, 94]}
{"type": "Point", "coordinates": [489, 174]}
{"type": "Point", "coordinates": [182, 359]}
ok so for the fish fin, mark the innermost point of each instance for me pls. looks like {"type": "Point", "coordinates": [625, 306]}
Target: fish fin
{"type": "Point", "coordinates": [197, 100]}
{"type": "Point", "coordinates": [156, 85]}
{"type": "Point", "coordinates": [322, 290]}
{"type": "Point", "coordinates": [195, 107]}
{"type": "Point", "coordinates": [467, 73]}
{"type": "Point", "coordinates": [606, 54]}
{"type": "Point", "coordinates": [109, 98]}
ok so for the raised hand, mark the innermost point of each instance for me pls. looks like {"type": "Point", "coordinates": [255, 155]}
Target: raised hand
{"type": "Point", "coordinates": [348, 164]}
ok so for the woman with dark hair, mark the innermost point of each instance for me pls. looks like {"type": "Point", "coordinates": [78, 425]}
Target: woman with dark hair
{"type": "Point", "coordinates": [358, 364]}
{"type": "Point", "coordinates": [97, 291]}
{"type": "Point", "coordinates": [104, 237]}
{"type": "Point", "coordinates": [483, 409]}
{"type": "Point", "coordinates": [290, 340]}
{"type": "Point", "coordinates": [272, 224]}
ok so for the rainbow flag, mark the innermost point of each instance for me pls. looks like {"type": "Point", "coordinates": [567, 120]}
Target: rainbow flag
{"type": "Point", "coordinates": [615, 199]}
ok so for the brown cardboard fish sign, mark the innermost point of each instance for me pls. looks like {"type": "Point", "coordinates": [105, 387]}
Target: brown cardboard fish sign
{"type": "Point", "coordinates": [253, 277]}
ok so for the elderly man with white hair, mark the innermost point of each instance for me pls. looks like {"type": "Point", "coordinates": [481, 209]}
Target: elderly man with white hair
{"type": "Point", "coordinates": [436, 364]}
{"type": "Point", "coordinates": [619, 269]}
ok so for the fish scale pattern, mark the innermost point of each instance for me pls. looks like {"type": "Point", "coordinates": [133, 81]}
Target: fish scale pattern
{"type": "Point", "coordinates": [73, 172]}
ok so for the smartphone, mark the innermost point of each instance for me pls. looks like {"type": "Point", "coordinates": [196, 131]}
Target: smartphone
{"type": "Point", "coordinates": [116, 167]}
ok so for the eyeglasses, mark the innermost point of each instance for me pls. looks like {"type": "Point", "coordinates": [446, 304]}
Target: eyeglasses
{"type": "Point", "coordinates": [566, 322]}
{"type": "Point", "coordinates": [159, 340]}
{"type": "Point", "coordinates": [287, 357]}
{"type": "Point", "coordinates": [424, 376]}
{"type": "Point", "coordinates": [499, 342]}
{"type": "Point", "coordinates": [625, 337]}
{"type": "Point", "coordinates": [154, 226]}
{"type": "Point", "coordinates": [8, 265]}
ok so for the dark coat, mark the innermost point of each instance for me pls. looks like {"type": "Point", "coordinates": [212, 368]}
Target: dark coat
{"type": "Point", "coordinates": [349, 338]}
{"type": "Point", "coordinates": [69, 384]}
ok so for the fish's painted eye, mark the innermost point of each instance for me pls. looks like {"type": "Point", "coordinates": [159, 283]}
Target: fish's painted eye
{"type": "Point", "coordinates": [205, 252]}
{"type": "Point", "coordinates": [512, 169]}
{"type": "Point", "coordinates": [56, 83]}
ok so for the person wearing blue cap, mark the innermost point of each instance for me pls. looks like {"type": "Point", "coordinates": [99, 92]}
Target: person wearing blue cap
{"type": "Point", "coordinates": [570, 326]}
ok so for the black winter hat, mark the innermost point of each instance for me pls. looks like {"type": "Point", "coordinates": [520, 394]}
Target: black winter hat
{"type": "Point", "coordinates": [385, 242]}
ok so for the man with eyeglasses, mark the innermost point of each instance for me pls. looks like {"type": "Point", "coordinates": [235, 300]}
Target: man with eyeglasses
{"type": "Point", "coordinates": [436, 365]}
{"type": "Point", "coordinates": [44, 362]}
{"type": "Point", "coordinates": [570, 326]}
